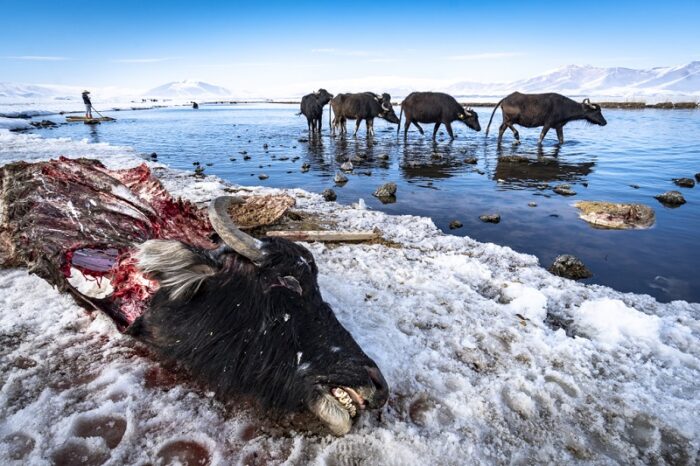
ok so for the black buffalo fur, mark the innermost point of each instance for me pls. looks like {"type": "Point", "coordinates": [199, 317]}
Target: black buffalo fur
{"type": "Point", "coordinates": [262, 330]}
{"type": "Point", "coordinates": [312, 108]}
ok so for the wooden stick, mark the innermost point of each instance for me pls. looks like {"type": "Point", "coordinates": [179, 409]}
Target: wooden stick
{"type": "Point", "coordinates": [320, 235]}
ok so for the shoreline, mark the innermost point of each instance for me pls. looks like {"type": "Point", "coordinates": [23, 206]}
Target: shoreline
{"type": "Point", "coordinates": [479, 343]}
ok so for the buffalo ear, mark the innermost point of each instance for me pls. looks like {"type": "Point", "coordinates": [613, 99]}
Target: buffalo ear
{"type": "Point", "coordinates": [177, 267]}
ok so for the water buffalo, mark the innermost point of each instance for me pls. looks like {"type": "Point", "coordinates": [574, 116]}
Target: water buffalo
{"type": "Point", "coordinates": [242, 315]}
{"type": "Point", "coordinates": [547, 110]}
{"type": "Point", "coordinates": [438, 108]}
{"type": "Point", "coordinates": [362, 106]}
{"type": "Point", "coordinates": [312, 108]}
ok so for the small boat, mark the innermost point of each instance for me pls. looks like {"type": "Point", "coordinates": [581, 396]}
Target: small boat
{"type": "Point", "coordinates": [88, 121]}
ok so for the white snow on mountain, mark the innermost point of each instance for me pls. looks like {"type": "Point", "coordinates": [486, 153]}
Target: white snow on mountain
{"type": "Point", "coordinates": [188, 89]}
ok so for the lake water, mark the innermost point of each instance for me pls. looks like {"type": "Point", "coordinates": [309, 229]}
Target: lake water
{"type": "Point", "coordinates": [631, 159]}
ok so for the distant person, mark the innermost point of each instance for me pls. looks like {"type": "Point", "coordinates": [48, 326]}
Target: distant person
{"type": "Point", "coordinates": [195, 105]}
{"type": "Point", "coordinates": [88, 104]}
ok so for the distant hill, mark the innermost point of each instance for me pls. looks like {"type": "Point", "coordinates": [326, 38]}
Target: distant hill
{"type": "Point", "coordinates": [188, 89]}
{"type": "Point", "coordinates": [590, 80]}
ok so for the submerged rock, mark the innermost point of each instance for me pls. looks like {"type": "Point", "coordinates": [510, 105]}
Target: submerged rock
{"type": "Point", "coordinates": [564, 190]}
{"type": "Point", "coordinates": [329, 195]}
{"type": "Point", "coordinates": [263, 176]}
{"type": "Point", "coordinates": [340, 178]}
{"type": "Point", "coordinates": [454, 224]}
{"type": "Point", "coordinates": [490, 218]}
{"type": "Point", "coordinates": [569, 266]}
{"type": "Point", "coordinates": [671, 198]}
{"type": "Point", "coordinates": [513, 159]}
{"type": "Point", "coordinates": [386, 190]}
{"type": "Point", "coordinates": [470, 160]}
{"type": "Point", "coordinates": [616, 216]}
{"type": "Point", "coordinates": [697, 176]}
{"type": "Point", "coordinates": [684, 182]}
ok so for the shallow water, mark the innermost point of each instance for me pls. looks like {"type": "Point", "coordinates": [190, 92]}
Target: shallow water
{"type": "Point", "coordinates": [645, 148]}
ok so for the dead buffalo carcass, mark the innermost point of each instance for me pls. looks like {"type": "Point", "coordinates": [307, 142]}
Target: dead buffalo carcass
{"type": "Point", "coordinates": [547, 110]}
{"type": "Point", "coordinates": [362, 106]}
{"type": "Point", "coordinates": [242, 315]}
{"type": "Point", "coordinates": [438, 108]}
{"type": "Point", "coordinates": [312, 108]}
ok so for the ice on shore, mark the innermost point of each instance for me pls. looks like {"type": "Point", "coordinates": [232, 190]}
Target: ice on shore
{"type": "Point", "coordinates": [490, 359]}
{"type": "Point", "coordinates": [14, 124]}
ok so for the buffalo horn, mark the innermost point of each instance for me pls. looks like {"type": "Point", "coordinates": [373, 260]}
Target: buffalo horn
{"type": "Point", "coordinates": [240, 242]}
{"type": "Point", "coordinates": [587, 101]}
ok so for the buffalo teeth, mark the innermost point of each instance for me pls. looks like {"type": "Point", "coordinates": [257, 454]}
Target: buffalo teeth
{"type": "Point", "coordinates": [345, 400]}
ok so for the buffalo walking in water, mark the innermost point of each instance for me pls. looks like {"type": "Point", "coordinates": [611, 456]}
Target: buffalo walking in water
{"type": "Point", "coordinates": [547, 110]}
{"type": "Point", "coordinates": [312, 108]}
{"type": "Point", "coordinates": [438, 108]}
{"type": "Point", "coordinates": [362, 106]}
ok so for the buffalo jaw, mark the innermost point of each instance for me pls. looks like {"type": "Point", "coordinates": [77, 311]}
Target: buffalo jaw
{"type": "Point", "coordinates": [332, 413]}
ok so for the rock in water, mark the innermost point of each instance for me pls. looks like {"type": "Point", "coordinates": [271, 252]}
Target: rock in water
{"type": "Point", "coordinates": [305, 168]}
{"type": "Point", "coordinates": [569, 266]}
{"type": "Point", "coordinates": [616, 216]}
{"type": "Point", "coordinates": [386, 190]}
{"type": "Point", "coordinates": [470, 160]}
{"type": "Point", "coordinates": [454, 224]}
{"type": "Point", "coordinates": [263, 176]}
{"type": "Point", "coordinates": [490, 218]}
{"type": "Point", "coordinates": [386, 157]}
{"type": "Point", "coordinates": [329, 195]}
{"type": "Point", "coordinates": [697, 176]}
{"type": "Point", "coordinates": [564, 190]}
{"type": "Point", "coordinates": [340, 178]}
{"type": "Point", "coordinates": [684, 182]}
{"type": "Point", "coordinates": [347, 166]}
{"type": "Point", "coordinates": [671, 198]}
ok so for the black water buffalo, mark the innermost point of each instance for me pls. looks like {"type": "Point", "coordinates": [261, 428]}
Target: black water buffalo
{"type": "Point", "coordinates": [244, 316]}
{"type": "Point", "coordinates": [312, 108]}
{"type": "Point", "coordinates": [438, 108]}
{"type": "Point", "coordinates": [362, 106]}
{"type": "Point", "coordinates": [547, 110]}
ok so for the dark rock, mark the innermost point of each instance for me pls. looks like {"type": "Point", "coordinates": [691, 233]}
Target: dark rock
{"type": "Point", "coordinates": [532, 204]}
{"type": "Point", "coordinates": [564, 190]}
{"type": "Point", "coordinates": [246, 157]}
{"type": "Point", "coordinates": [199, 172]}
{"type": "Point", "coordinates": [243, 152]}
{"type": "Point", "coordinates": [697, 176]}
{"type": "Point", "coordinates": [684, 182]}
{"type": "Point", "coordinates": [634, 186]}
{"type": "Point", "coordinates": [265, 146]}
{"type": "Point", "coordinates": [569, 266]}
{"type": "Point", "coordinates": [263, 176]}
{"type": "Point", "coordinates": [470, 160]}
{"type": "Point", "coordinates": [386, 190]}
{"type": "Point", "coordinates": [43, 124]}
{"type": "Point", "coordinates": [513, 159]}
{"type": "Point", "coordinates": [671, 198]}
{"type": "Point", "coordinates": [386, 157]}
{"type": "Point", "coordinates": [329, 195]}
{"type": "Point", "coordinates": [305, 168]}
{"type": "Point", "coordinates": [154, 156]}
{"type": "Point", "coordinates": [454, 224]}
{"type": "Point", "coordinates": [490, 218]}
{"type": "Point", "coordinates": [302, 140]}
{"type": "Point", "coordinates": [196, 164]}
{"type": "Point", "coordinates": [209, 164]}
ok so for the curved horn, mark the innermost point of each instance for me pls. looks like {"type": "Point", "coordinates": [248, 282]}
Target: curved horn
{"type": "Point", "coordinates": [587, 101]}
{"type": "Point", "coordinates": [240, 242]}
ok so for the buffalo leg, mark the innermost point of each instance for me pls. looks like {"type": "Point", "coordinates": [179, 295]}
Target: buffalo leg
{"type": "Point", "coordinates": [415, 123]}
{"type": "Point", "coordinates": [501, 130]}
{"type": "Point", "coordinates": [370, 126]}
{"type": "Point", "coordinates": [435, 130]}
{"type": "Point", "coordinates": [357, 126]}
{"type": "Point", "coordinates": [543, 133]}
{"type": "Point", "coordinates": [560, 134]}
{"type": "Point", "coordinates": [516, 135]}
{"type": "Point", "coordinates": [448, 125]}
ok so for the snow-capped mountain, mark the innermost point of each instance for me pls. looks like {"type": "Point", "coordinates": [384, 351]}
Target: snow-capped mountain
{"type": "Point", "coordinates": [595, 81]}
{"type": "Point", "coordinates": [35, 91]}
{"type": "Point", "coordinates": [188, 89]}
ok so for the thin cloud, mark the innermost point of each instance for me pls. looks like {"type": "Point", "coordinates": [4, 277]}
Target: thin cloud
{"type": "Point", "coordinates": [144, 60]}
{"type": "Point", "coordinates": [343, 53]}
{"type": "Point", "coordinates": [485, 56]}
{"type": "Point", "coordinates": [36, 58]}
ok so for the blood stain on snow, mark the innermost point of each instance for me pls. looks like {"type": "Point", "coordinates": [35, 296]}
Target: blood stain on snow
{"type": "Point", "coordinates": [183, 452]}
{"type": "Point", "coordinates": [19, 445]}
{"type": "Point", "coordinates": [111, 428]}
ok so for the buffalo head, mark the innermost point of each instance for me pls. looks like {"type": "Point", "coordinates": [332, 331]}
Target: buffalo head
{"type": "Point", "coordinates": [470, 118]}
{"type": "Point", "coordinates": [323, 96]}
{"type": "Point", "coordinates": [249, 318]}
{"type": "Point", "coordinates": [592, 113]}
{"type": "Point", "coordinates": [387, 111]}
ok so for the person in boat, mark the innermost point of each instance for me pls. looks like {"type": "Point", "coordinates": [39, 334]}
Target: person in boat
{"type": "Point", "coordinates": [88, 104]}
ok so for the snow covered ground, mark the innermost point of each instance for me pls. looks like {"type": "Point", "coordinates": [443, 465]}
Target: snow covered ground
{"type": "Point", "coordinates": [490, 359]}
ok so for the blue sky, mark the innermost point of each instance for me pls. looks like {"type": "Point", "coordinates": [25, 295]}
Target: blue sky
{"type": "Point", "coordinates": [267, 45]}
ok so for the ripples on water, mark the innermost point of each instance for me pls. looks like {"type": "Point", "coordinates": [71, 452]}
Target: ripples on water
{"type": "Point", "coordinates": [644, 148]}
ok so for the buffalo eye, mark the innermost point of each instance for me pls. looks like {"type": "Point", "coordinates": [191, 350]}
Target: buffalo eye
{"type": "Point", "coordinates": [291, 283]}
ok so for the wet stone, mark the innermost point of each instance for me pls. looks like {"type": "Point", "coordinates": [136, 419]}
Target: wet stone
{"type": "Point", "coordinates": [532, 204]}
{"type": "Point", "coordinates": [347, 166]}
{"type": "Point", "coordinates": [697, 177]}
{"type": "Point", "coordinates": [329, 195]}
{"type": "Point", "coordinates": [490, 218]}
{"type": "Point", "coordinates": [569, 266]}
{"type": "Point", "coordinates": [470, 160]}
{"type": "Point", "coordinates": [386, 157]}
{"type": "Point", "coordinates": [454, 224]}
{"type": "Point", "coordinates": [386, 190]}
{"type": "Point", "coordinates": [340, 178]}
{"type": "Point", "coordinates": [564, 190]}
{"type": "Point", "coordinates": [246, 157]}
{"type": "Point", "coordinates": [684, 182]}
{"type": "Point", "coordinates": [263, 176]}
{"type": "Point", "coordinates": [305, 168]}
{"type": "Point", "coordinates": [183, 453]}
{"type": "Point", "coordinates": [671, 198]}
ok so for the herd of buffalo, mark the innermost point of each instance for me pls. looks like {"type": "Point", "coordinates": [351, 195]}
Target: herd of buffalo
{"type": "Point", "coordinates": [529, 110]}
